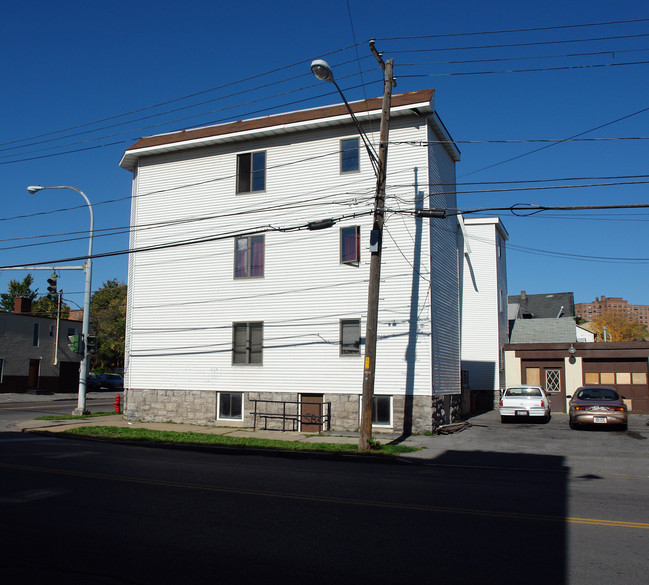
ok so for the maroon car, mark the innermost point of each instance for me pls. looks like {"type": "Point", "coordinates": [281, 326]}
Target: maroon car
{"type": "Point", "coordinates": [597, 405]}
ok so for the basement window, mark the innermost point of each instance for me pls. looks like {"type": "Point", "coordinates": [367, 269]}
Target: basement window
{"type": "Point", "coordinates": [230, 406]}
{"type": "Point", "coordinates": [382, 411]}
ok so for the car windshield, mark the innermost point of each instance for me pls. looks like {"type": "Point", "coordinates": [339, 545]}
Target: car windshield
{"type": "Point", "coordinates": [597, 394]}
{"type": "Point", "coordinates": [523, 392]}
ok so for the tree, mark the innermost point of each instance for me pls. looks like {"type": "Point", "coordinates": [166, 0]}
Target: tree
{"type": "Point", "coordinates": [108, 324]}
{"type": "Point", "coordinates": [45, 307]}
{"type": "Point", "coordinates": [618, 328]}
{"type": "Point", "coordinates": [17, 289]}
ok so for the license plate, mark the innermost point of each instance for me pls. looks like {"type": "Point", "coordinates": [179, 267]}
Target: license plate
{"type": "Point", "coordinates": [599, 419]}
{"type": "Point", "coordinates": [522, 413]}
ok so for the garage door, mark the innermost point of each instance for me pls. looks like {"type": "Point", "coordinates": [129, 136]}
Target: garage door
{"type": "Point", "coordinates": [628, 377]}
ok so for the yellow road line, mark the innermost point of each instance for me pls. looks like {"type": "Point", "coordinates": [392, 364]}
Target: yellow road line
{"type": "Point", "coordinates": [330, 499]}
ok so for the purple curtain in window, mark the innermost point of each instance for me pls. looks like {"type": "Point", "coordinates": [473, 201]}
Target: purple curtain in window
{"type": "Point", "coordinates": [241, 254]}
{"type": "Point", "coordinates": [257, 256]}
{"type": "Point", "coordinates": [351, 245]}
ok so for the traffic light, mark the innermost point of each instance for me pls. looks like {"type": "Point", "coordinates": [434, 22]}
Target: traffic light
{"type": "Point", "coordinates": [75, 343]}
{"type": "Point", "coordinates": [92, 344]}
{"type": "Point", "coordinates": [52, 291]}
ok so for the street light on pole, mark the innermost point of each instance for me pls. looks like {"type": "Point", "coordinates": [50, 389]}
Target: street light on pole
{"type": "Point", "coordinates": [83, 370]}
{"type": "Point", "coordinates": [323, 72]}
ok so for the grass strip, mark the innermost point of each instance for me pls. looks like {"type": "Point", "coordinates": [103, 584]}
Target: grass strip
{"type": "Point", "coordinates": [191, 438]}
{"type": "Point", "coordinates": [73, 416]}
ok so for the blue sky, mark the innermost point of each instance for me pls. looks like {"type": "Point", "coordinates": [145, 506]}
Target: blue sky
{"type": "Point", "coordinates": [84, 80]}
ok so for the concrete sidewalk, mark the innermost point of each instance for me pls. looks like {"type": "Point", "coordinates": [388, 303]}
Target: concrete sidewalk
{"type": "Point", "coordinates": [485, 441]}
{"type": "Point", "coordinates": [119, 420]}
{"type": "Point", "coordinates": [429, 446]}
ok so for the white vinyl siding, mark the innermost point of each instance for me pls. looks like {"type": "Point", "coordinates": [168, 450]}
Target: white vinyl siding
{"type": "Point", "coordinates": [444, 270]}
{"type": "Point", "coordinates": [180, 334]}
{"type": "Point", "coordinates": [484, 326]}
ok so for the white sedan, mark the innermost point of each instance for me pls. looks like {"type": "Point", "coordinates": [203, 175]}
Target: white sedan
{"type": "Point", "coordinates": [524, 401]}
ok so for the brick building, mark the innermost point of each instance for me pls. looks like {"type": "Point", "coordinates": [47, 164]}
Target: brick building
{"type": "Point", "coordinates": [615, 306]}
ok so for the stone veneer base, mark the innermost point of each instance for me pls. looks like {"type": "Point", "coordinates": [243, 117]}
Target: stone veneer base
{"type": "Point", "coordinates": [411, 414]}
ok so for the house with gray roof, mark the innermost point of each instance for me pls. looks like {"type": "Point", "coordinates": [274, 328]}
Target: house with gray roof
{"type": "Point", "coordinates": [548, 331]}
{"type": "Point", "coordinates": [542, 306]}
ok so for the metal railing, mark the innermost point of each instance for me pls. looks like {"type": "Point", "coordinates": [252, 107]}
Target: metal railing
{"type": "Point", "coordinates": [292, 415]}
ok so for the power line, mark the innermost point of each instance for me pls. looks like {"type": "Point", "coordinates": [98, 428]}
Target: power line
{"type": "Point", "coordinates": [175, 100]}
{"type": "Point", "coordinates": [530, 70]}
{"type": "Point", "coordinates": [611, 52]}
{"type": "Point", "coordinates": [515, 140]}
{"type": "Point", "coordinates": [560, 142]}
{"type": "Point", "coordinates": [520, 181]}
{"type": "Point", "coordinates": [305, 225]}
{"type": "Point", "coordinates": [239, 104]}
{"type": "Point", "coordinates": [518, 45]}
{"type": "Point", "coordinates": [516, 30]}
{"type": "Point", "coordinates": [308, 202]}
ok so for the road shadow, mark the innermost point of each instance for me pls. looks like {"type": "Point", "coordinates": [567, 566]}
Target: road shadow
{"type": "Point", "coordinates": [511, 525]}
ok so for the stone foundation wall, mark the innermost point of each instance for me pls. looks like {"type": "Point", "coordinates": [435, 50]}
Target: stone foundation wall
{"type": "Point", "coordinates": [179, 406]}
{"type": "Point", "coordinates": [272, 408]}
{"type": "Point", "coordinates": [446, 409]}
{"type": "Point", "coordinates": [411, 414]}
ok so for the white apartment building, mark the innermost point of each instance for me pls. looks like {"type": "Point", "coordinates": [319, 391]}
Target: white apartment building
{"type": "Point", "coordinates": [234, 298]}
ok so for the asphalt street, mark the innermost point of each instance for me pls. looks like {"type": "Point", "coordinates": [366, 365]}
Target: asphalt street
{"type": "Point", "coordinates": [495, 503]}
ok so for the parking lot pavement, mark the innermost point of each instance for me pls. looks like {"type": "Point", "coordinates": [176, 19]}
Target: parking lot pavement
{"type": "Point", "coordinates": [580, 451]}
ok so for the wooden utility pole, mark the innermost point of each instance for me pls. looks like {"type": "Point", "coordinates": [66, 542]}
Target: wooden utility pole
{"type": "Point", "coordinates": [375, 261]}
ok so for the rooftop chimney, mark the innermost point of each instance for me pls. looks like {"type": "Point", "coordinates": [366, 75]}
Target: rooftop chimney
{"type": "Point", "coordinates": [22, 305]}
{"type": "Point", "coordinates": [523, 295]}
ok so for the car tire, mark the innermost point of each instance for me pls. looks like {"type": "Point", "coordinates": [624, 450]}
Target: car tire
{"type": "Point", "coordinates": [573, 425]}
{"type": "Point", "coordinates": [503, 419]}
{"type": "Point", "coordinates": [546, 419]}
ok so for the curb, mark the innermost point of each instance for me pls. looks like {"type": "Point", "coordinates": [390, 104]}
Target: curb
{"type": "Point", "coordinates": [243, 450]}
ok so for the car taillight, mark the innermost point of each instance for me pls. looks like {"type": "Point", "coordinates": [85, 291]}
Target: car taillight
{"type": "Point", "coordinates": [580, 408]}
{"type": "Point", "coordinates": [619, 408]}
{"type": "Point", "coordinates": [542, 404]}
{"type": "Point", "coordinates": [501, 402]}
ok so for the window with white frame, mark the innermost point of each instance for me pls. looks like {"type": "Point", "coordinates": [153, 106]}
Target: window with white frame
{"type": "Point", "coordinates": [382, 411]}
{"type": "Point", "coordinates": [350, 245]}
{"type": "Point", "coordinates": [247, 343]}
{"type": "Point", "coordinates": [350, 337]}
{"type": "Point", "coordinates": [249, 257]}
{"type": "Point", "coordinates": [251, 172]}
{"type": "Point", "coordinates": [349, 155]}
{"type": "Point", "coordinates": [230, 406]}
{"type": "Point", "coordinates": [36, 334]}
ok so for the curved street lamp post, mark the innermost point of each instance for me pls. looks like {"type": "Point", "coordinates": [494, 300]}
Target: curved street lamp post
{"type": "Point", "coordinates": [85, 328]}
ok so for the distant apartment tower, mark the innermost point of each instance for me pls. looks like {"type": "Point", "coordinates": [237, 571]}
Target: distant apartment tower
{"type": "Point", "coordinates": [613, 306]}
